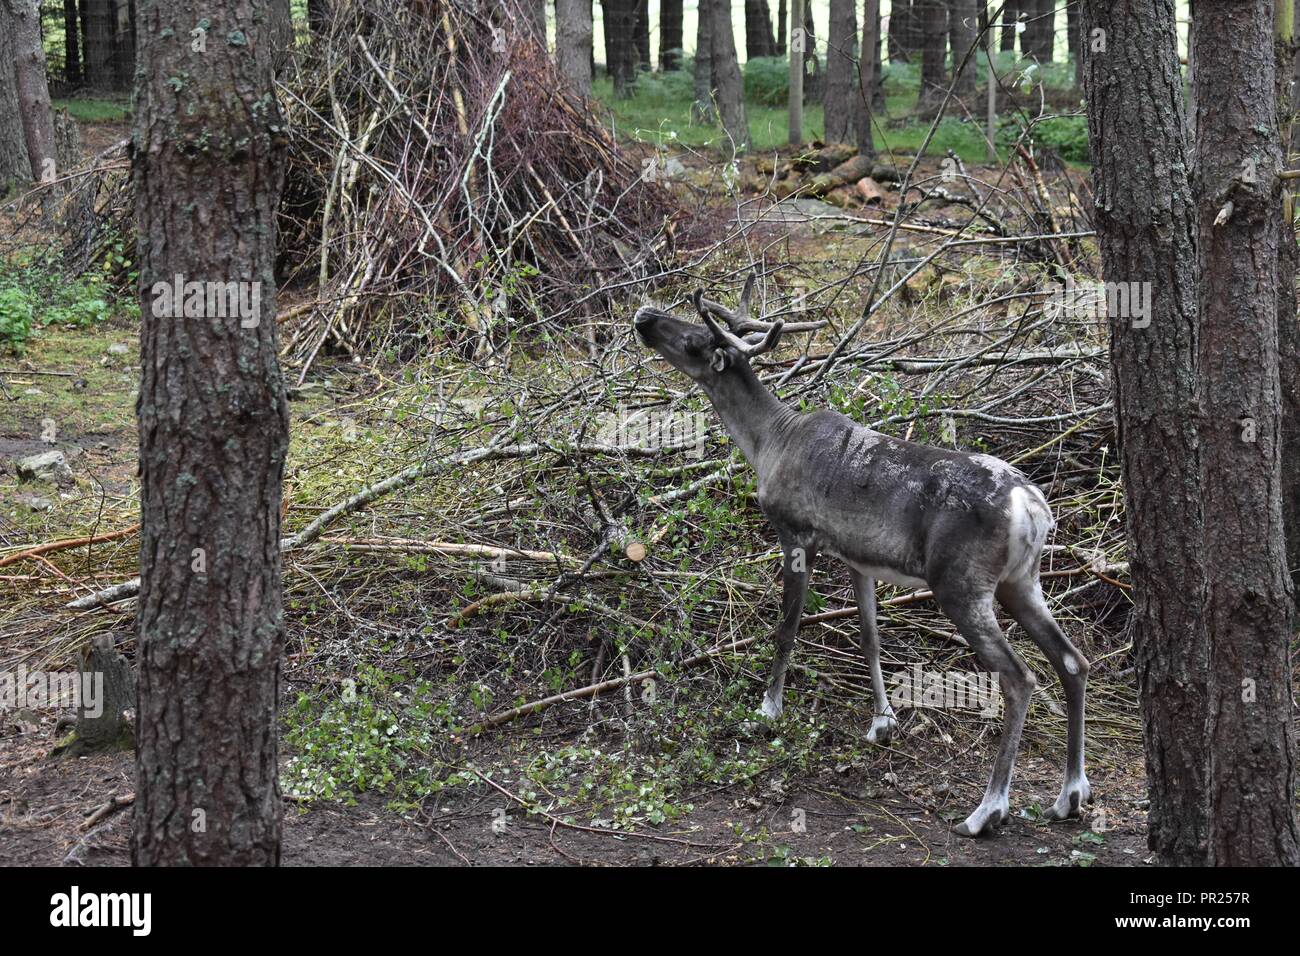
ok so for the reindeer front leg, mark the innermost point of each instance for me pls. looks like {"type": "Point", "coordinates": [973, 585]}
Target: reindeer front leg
{"type": "Point", "coordinates": [798, 565]}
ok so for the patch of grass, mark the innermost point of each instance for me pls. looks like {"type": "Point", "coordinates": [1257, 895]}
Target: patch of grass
{"type": "Point", "coordinates": [660, 110]}
{"type": "Point", "coordinates": [94, 110]}
{"type": "Point", "coordinates": [660, 113]}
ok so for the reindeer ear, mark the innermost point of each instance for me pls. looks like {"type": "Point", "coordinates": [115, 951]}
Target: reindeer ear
{"type": "Point", "coordinates": [720, 360]}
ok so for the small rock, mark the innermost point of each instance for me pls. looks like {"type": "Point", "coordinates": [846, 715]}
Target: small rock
{"type": "Point", "coordinates": [48, 466]}
{"type": "Point", "coordinates": [674, 168]}
{"type": "Point", "coordinates": [32, 391]}
{"type": "Point", "coordinates": [118, 348]}
{"type": "Point", "coordinates": [36, 503]}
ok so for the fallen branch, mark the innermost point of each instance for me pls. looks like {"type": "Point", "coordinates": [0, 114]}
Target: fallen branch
{"type": "Point", "coordinates": [106, 809]}
{"type": "Point", "coordinates": [68, 543]}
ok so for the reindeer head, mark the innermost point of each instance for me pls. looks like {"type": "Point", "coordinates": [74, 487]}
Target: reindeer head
{"type": "Point", "coordinates": [708, 352]}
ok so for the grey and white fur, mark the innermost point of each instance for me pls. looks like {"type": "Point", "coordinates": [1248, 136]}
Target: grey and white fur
{"type": "Point", "coordinates": [970, 527]}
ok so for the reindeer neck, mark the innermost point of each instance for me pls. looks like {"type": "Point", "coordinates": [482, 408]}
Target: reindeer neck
{"type": "Point", "coordinates": [751, 414]}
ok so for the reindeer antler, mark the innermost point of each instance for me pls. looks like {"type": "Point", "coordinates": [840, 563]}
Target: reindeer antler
{"type": "Point", "coordinates": [739, 321]}
{"type": "Point", "coordinates": [756, 343]}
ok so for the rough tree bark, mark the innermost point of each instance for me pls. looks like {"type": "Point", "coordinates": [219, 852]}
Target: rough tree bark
{"type": "Point", "coordinates": [758, 29]}
{"type": "Point", "coordinates": [703, 109]}
{"type": "Point", "coordinates": [1288, 322]}
{"type": "Point", "coordinates": [869, 95]}
{"type": "Point", "coordinates": [904, 31]}
{"type": "Point", "coordinates": [842, 85]}
{"type": "Point", "coordinates": [643, 35]}
{"type": "Point", "coordinates": [933, 17]}
{"type": "Point", "coordinates": [108, 43]}
{"type": "Point", "coordinates": [1146, 223]}
{"type": "Point", "coordinates": [1011, 13]}
{"type": "Point", "coordinates": [670, 35]}
{"type": "Point", "coordinates": [15, 167]}
{"type": "Point", "coordinates": [813, 70]}
{"type": "Point", "coordinates": [1039, 38]}
{"type": "Point", "coordinates": [798, 50]}
{"type": "Point", "coordinates": [208, 158]}
{"type": "Point", "coordinates": [24, 25]}
{"type": "Point", "coordinates": [1248, 608]}
{"type": "Point", "coordinates": [573, 42]}
{"type": "Point", "coordinates": [782, 16]}
{"type": "Point", "coordinates": [1074, 37]}
{"type": "Point", "coordinates": [726, 70]}
{"type": "Point", "coordinates": [71, 43]}
{"type": "Point", "coordinates": [620, 45]}
{"type": "Point", "coordinates": [963, 25]}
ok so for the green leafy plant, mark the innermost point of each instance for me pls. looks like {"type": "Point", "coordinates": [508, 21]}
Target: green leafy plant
{"type": "Point", "coordinates": [16, 311]}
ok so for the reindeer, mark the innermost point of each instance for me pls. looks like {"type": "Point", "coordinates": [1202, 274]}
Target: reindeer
{"type": "Point", "coordinates": [970, 527]}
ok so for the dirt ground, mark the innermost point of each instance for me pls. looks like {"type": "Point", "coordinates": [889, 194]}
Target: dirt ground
{"type": "Point", "coordinates": [827, 821]}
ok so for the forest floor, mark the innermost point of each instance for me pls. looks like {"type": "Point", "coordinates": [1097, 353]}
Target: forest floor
{"type": "Point", "coordinates": [397, 775]}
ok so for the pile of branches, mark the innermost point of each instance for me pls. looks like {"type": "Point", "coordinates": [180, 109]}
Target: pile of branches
{"type": "Point", "coordinates": [443, 180]}
{"type": "Point", "coordinates": [441, 167]}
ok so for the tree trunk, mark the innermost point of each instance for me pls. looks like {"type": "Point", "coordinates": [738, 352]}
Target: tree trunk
{"type": "Point", "coordinates": [670, 35]}
{"type": "Point", "coordinates": [15, 166]}
{"type": "Point", "coordinates": [781, 33]}
{"type": "Point", "coordinates": [33, 92]}
{"type": "Point", "coordinates": [643, 35]}
{"type": "Point", "coordinates": [1288, 322]}
{"type": "Point", "coordinates": [1248, 609]}
{"type": "Point", "coordinates": [124, 45]}
{"type": "Point", "coordinates": [868, 78]}
{"type": "Point", "coordinates": [933, 16]}
{"type": "Point", "coordinates": [703, 110]}
{"type": "Point", "coordinates": [1040, 30]}
{"type": "Point", "coordinates": [1074, 36]}
{"type": "Point", "coordinates": [758, 29]}
{"type": "Point", "coordinates": [71, 43]}
{"type": "Point", "coordinates": [108, 35]}
{"type": "Point", "coordinates": [726, 69]}
{"type": "Point", "coordinates": [904, 31]}
{"type": "Point", "coordinates": [843, 88]}
{"type": "Point", "coordinates": [620, 45]}
{"type": "Point", "coordinates": [605, 6]}
{"type": "Point", "coordinates": [963, 24]}
{"type": "Point", "coordinates": [573, 42]}
{"type": "Point", "coordinates": [1011, 13]}
{"type": "Point", "coordinates": [1146, 225]}
{"type": "Point", "coordinates": [814, 81]}
{"type": "Point", "coordinates": [213, 423]}
{"type": "Point", "coordinates": [798, 47]}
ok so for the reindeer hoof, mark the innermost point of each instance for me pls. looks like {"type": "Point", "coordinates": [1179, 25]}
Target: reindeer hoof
{"type": "Point", "coordinates": [984, 821]}
{"type": "Point", "coordinates": [882, 729]}
{"type": "Point", "coordinates": [1070, 803]}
